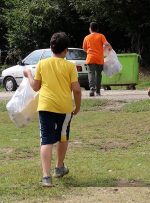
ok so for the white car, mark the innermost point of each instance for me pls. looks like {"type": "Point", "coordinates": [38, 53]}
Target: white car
{"type": "Point", "coordinates": [12, 77]}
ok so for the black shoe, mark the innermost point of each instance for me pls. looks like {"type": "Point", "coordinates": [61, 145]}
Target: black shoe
{"type": "Point", "coordinates": [60, 172]}
{"type": "Point", "coordinates": [91, 94]}
{"type": "Point", "coordinates": [98, 94]}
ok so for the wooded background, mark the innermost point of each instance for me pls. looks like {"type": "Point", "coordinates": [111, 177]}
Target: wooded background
{"type": "Point", "coordinates": [26, 25]}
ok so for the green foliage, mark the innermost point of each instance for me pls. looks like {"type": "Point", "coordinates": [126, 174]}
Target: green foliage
{"type": "Point", "coordinates": [28, 25]}
{"type": "Point", "coordinates": [29, 22]}
{"type": "Point", "coordinates": [118, 20]}
{"type": "Point", "coordinates": [3, 27]}
{"type": "Point", "coordinates": [2, 67]}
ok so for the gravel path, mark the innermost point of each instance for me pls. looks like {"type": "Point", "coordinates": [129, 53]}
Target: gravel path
{"type": "Point", "coordinates": [118, 95]}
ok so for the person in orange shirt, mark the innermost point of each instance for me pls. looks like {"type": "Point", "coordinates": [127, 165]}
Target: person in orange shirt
{"type": "Point", "coordinates": [93, 45]}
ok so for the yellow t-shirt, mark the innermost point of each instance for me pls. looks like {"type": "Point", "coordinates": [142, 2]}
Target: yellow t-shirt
{"type": "Point", "coordinates": [56, 76]}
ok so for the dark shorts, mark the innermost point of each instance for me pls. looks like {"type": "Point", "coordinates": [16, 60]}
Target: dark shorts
{"type": "Point", "coordinates": [54, 127]}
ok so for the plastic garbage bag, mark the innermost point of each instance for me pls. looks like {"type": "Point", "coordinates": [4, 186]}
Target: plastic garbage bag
{"type": "Point", "coordinates": [22, 106]}
{"type": "Point", "coordinates": [111, 63]}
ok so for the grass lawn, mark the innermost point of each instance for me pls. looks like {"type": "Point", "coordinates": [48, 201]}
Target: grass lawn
{"type": "Point", "coordinates": [1, 88]}
{"type": "Point", "coordinates": [107, 148]}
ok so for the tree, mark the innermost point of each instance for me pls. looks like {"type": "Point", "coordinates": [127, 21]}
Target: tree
{"type": "Point", "coordinates": [30, 24]}
{"type": "Point", "coordinates": [3, 31]}
{"type": "Point", "coordinates": [129, 20]}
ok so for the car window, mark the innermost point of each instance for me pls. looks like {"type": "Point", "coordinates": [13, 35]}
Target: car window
{"type": "Point", "coordinates": [75, 54]}
{"type": "Point", "coordinates": [46, 54]}
{"type": "Point", "coordinates": [33, 58]}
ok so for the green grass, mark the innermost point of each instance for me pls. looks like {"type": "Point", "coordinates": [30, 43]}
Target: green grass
{"type": "Point", "coordinates": [105, 147]}
{"type": "Point", "coordinates": [92, 105]}
{"type": "Point", "coordinates": [144, 82]}
{"type": "Point", "coordinates": [138, 106]}
{"type": "Point", "coordinates": [1, 88]}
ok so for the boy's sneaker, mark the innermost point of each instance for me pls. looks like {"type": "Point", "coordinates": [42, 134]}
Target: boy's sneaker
{"type": "Point", "coordinates": [91, 94]}
{"type": "Point", "coordinates": [98, 94]}
{"type": "Point", "coordinates": [47, 181]}
{"type": "Point", "coordinates": [60, 172]}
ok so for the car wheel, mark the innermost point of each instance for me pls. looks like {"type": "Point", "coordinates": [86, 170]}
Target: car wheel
{"type": "Point", "coordinates": [10, 84]}
{"type": "Point", "coordinates": [107, 87]}
{"type": "Point", "coordinates": [131, 87]}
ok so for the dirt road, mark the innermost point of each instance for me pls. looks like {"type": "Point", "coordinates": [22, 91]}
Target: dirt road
{"type": "Point", "coordinates": [118, 95]}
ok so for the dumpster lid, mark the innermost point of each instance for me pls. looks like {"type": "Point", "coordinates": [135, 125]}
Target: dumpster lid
{"type": "Point", "coordinates": [128, 54]}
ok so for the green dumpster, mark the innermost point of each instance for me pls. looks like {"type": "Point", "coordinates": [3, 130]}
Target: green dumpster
{"type": "Point", "coordinates": [129, 74]}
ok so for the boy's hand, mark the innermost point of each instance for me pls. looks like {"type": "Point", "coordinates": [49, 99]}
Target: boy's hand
{"type": "Point", "coordinates": [27, 72]}
{"type": "Point", "coordinates": [75, 111]}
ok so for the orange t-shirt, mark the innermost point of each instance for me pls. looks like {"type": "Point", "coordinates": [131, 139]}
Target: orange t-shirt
{"type": "Point", "coordinates": [93, 45]}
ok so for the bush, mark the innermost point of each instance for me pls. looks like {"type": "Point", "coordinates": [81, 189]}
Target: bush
{"type": "Point", "coordinates": [2, 67]}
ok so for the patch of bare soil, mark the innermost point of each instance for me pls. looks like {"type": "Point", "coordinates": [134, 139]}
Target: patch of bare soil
{"type": "Point", "coordinates": [114, 105]}
{"type": "Point", "coordinates": [132, 183]}
{"type": "Point", "coordinates": [114, 144]}
{"type": "Point", "coordinates": [106, 195]}
{"type": "Point", "coordinates": [6, 150]}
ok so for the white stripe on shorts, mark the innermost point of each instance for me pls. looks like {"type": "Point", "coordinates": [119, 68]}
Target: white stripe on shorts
{"type": "Point", "coordinates": [65, 125]}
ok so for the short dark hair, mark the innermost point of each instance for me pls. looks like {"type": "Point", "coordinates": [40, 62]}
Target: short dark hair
{"type": "Point", "coordinates": [94, 26]}
{"type": "Point", "coordinates": [59, 42]}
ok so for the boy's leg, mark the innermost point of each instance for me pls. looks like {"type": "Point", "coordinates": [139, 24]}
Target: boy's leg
{"type": "Point", "coordinates": [62, 145]}
{"type": "Point", "coordinates": [91, 78]}
{"type": "Point", "coordinates": [61, 169]}
{"type": "Point", "coordinates": [98, 78]}
{"type": "Point", "coordinates": [46, 156]}
{"type": "Point", "coordinates": [61, 152]}
{"type": "Point", "coordinates": [48, 138]}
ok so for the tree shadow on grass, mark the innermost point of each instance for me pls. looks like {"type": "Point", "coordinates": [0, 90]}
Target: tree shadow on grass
{"type": "Point", "coordinates": [103, 182]}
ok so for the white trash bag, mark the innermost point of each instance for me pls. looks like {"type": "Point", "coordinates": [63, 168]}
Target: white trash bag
{"type": "Point", "coordinates": [22, 106]}
{"type": "Point", "coordinates": [111, 63]}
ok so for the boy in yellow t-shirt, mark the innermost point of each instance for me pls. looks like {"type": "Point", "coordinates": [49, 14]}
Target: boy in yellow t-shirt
{"type": "Point", "coordinates": [55, 79]}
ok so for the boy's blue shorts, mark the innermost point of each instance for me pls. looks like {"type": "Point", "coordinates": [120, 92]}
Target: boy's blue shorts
{"type": "Point", "coordinates": [54, 127]}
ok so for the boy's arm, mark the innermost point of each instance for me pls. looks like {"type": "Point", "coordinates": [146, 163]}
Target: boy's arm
{"type": "Point", "coordinates": [35, 84]}
{"type": "Point", "coordinates": [77, 96]}
{"type": "Point", "coordinates": [84, 46]}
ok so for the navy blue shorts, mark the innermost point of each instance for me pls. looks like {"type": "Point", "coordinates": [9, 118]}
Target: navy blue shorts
{"type": "Point", "coordinates": [54, 127]}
